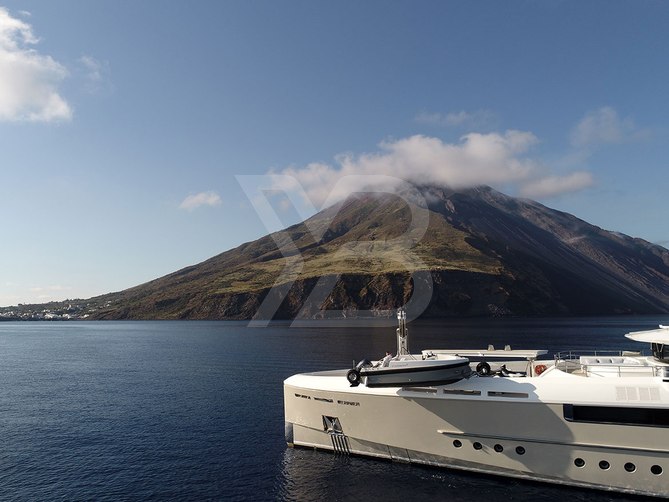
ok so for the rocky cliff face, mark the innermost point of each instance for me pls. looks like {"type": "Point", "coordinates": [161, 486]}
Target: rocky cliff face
{"type": "Point", "coordinates": [483, 252]}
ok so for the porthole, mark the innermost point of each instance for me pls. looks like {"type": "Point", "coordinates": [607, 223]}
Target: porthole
{"type": "Point", "coordinates": [498, 448]}
{"type": "Point", "coordinates": [630, 467]}
{"type": "Point", "coordinates": [477, 445]}
{"type": "Point", "coordinates": [579, 462]}
{"type": "Point", "coordinates": [520, 450]}
{"type": "Point", "coordinates": [656, 469]}
{"type": "Point", "coordinates": [604, 465]}
{"type": "Point", "coordinates": [457, 443]}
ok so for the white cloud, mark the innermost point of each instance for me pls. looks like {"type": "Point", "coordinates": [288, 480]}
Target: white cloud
{"type": "Point", "coordinates": [551, 186]}
{"type": "Point", "coordinates": [200, 199]}
{"type": "Point", "coordinates": [96, 74]}
{"type": "Point", "coordinates": [476, 119]}
{"type": "Point", "coordinates": [604, 126]}
{"type": "Point", "coordinates": [29, 83]}
{"type": "Point", "coordinates": [478, 159]}
{"type": "Point", "coordinates": [93, 68]}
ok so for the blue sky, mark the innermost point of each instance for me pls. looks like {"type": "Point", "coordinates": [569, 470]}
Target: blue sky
{"type": "Point", "coordinates": [123, 124]}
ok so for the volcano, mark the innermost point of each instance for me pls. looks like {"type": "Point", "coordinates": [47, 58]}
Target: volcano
{"type": "Point", "coordinates": [474, 252]}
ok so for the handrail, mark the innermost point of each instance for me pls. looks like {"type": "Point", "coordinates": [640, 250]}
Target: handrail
{"type": "Point", "coordinates": [574, 354]}
{"type": "Point", "coordinates": [570, 361]}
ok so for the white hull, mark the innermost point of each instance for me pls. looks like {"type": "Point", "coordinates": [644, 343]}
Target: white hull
{"type": "Point", "coordinates": [517, 427]}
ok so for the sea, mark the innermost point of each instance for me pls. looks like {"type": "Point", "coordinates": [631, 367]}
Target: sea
{"type": "Point", "coordinates": [191, 410]}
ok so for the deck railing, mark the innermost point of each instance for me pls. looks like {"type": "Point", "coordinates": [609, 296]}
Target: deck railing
{"type": "Point", "coordinates": [577, 354]}
{"type": "Point", "coordinates": [580, 361]}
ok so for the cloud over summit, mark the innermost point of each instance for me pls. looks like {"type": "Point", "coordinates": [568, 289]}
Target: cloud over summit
{"type": "Point", "coordinates": [498, 159]}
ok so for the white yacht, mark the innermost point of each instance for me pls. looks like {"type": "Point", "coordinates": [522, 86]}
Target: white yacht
{"type": "Point", "coordinates": [597, 420]}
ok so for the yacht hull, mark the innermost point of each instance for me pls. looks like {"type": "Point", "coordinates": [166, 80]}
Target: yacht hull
{"type": "Point", "coordinates": [490, 425]}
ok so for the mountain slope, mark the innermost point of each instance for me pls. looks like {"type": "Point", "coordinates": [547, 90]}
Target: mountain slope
{"type": "Point", "coordinates": [587, 270]}
{"type": "Point", "coordinates": [486, 253]}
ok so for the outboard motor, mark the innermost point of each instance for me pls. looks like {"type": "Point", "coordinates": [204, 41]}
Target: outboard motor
{"type": "Point", "coordinates": [365, 363]}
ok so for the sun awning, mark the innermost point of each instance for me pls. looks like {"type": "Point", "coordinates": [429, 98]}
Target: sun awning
{"type": "Point", "coordinates": [660, 335]}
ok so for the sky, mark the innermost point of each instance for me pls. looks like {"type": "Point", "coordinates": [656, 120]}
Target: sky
{"type": "Point", "coordinates": [129, 130]}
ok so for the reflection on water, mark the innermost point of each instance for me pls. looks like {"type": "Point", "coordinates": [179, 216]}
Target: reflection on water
{"type": "Point", "coordinates": [314, 475]}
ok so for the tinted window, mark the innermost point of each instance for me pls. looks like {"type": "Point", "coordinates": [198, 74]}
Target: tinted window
{"type": "Point", "coordinates": [654, 417]}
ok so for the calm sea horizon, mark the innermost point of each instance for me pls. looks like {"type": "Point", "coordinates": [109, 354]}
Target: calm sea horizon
{"type": "Point", "coordinates": [193, 410]}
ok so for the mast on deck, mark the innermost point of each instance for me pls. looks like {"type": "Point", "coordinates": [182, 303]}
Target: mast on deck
{"type": "Point", "coordinates": [402, 333]}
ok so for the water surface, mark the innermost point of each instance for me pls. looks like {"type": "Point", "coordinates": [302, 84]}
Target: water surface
{"type": "Point", "coordinates": [194, 410]}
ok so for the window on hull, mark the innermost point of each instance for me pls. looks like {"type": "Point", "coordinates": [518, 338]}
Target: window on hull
{"type": "Point", "coordinates": [619, 415]}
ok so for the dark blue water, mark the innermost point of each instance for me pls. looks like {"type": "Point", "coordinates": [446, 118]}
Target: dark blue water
{"type": "Point", "coordinates": [194, 410]}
